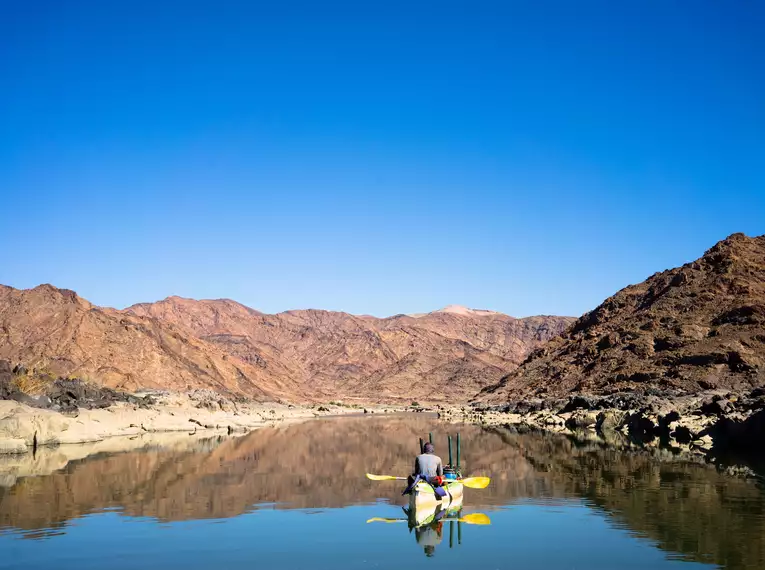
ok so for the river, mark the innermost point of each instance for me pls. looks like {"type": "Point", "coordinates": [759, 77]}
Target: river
{"type": "Point", "coordinates": [295, 497]}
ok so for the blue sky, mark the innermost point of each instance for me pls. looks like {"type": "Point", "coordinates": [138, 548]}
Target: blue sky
{"type": "Point", "coordinates": [375, 157]}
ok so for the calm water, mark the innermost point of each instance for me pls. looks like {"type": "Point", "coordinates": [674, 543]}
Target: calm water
{"type": "Point", "coordinates": [296, 497]}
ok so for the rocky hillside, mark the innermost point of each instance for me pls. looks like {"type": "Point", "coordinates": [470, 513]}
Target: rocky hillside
{"type": "Point", "coordinates": [61, 334]}
{"type": "Point", "coordinates": [697, 327]}
{"type": "Point", "coordinates": [182, 344]}
{"type": "Point", "coordinates": [444, 354]}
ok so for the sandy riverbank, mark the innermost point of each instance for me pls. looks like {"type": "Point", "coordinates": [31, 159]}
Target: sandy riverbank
{"type": "Point", "coordinates": [24, 428]}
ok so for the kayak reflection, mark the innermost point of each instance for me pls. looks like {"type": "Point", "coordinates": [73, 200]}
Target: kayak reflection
{"type": "Point", "coordinates": [427, 523]}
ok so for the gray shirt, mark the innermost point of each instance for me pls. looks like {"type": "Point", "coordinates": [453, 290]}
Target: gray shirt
{"type": "Point", "coordinates": [428, 465]}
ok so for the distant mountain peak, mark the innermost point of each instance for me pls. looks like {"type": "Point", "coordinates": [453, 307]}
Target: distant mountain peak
{"type": "Point", "coordinates": [458, 310]}
{"type": "Point", "coordinates": [461, 310]}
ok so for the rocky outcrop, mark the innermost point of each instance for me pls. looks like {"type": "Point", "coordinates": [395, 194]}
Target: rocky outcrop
{"type": "Point", "coordinates": [722, 427]}
{"type": "Point", "coordinates": [66, 395]}
{"type": "Point", "coordinates": [694, 328]}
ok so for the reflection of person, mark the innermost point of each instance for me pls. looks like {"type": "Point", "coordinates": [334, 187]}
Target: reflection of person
{"type": "Point", "coordinates": [429, 536]}
{"type": "Point", "coordinates": [428, 465]}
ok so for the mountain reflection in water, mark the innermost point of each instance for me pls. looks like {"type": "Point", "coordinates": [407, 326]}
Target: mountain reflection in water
{"type": "Point", "coordinates": [554, 483]}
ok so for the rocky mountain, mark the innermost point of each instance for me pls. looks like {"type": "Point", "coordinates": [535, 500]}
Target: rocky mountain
{"type": "Point", "coordinates": [183, 344]}
{"type": "Point", "coordinates": [696, 327]}
{"type": "Point", "coordinates": [451, 353]}
{"type": "Point", "coordinates": [59, 333]}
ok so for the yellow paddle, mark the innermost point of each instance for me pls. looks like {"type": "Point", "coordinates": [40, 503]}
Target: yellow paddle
{"type": "Point", "coordinates": [472, 518]}
{"type": "Point", "coordinates": [475, 482]}
{"type": "Point", "coordinates": [385, 477]}
{"type": "Point", "coordinates": [470, 482]}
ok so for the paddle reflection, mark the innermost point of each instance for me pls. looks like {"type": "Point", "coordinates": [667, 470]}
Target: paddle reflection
{"type": "Point", "coordinates": [427, 524]}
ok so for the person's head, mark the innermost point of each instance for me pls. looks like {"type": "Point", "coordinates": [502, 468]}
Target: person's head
{"type": "Point", "coordinates": [429, 550]}
{"type": "Point", "coordinates": [429, 448]}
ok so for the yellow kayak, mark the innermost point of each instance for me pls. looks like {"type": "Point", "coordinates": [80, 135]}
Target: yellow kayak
{"type": "Point", "coordinates": [423, 496]}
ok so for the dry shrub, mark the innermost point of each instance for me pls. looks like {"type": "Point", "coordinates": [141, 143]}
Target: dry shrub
{"type": "Point", "coordinates": [33, 384]}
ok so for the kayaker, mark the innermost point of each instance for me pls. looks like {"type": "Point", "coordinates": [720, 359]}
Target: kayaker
{"type": "Point", "coordinates": [428, 465]}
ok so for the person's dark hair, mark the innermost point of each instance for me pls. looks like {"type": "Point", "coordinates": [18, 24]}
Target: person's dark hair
{"type": "Point", "coordinates": [428, 448]}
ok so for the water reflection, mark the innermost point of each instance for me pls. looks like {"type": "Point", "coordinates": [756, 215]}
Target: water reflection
{"type": "Point", "coordinates": [427, 523]}
{"type": "Point", "coordinates": [688, 510]}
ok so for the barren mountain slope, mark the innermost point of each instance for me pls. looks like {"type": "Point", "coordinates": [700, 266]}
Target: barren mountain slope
{"type": "Point", "coordinates": [495, 333]}
{"type": "Point", "coordinates": [699, 326]}
{"type": "Point", "coordinates": [435, 356]}
{"type": "Point", "coordinates": [56, 330]}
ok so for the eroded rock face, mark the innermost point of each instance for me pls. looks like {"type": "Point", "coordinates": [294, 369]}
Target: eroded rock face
{"type": "Point", "coordinates": [59, 332]}
{"type": "Point", "coordinates": [697, 327]}
{"type": "Point", "coordinates": [441, 355]}
{"type": "Point", "coordinates": [181, 344]}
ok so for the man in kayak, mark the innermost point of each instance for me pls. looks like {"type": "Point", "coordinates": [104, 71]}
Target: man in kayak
{"type": "Point", "coordinates": [428, 465]}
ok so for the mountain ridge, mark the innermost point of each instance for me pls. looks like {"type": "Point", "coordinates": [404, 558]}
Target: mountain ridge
{"type": "Point", "coordinates": [345, 355]}
{"type": "Point", "coordinates": [695, 327]}
{"type": "Point", "coordinates": [58, 331]}
{"type": "Point", "coordinates": [181, 344]}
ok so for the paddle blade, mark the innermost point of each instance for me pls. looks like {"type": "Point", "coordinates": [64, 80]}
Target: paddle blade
{"type": "Point", "coordinates": [384, 477]}
{"type": "Point", "coordinates": [475, 518]}
{"type": "Point", "coordinates": [476, 482]}
{"type": "Point", "coordinates": [386, 520]}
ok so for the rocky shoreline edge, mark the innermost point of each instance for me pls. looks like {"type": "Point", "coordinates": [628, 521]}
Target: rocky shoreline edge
{"type": "Point", "coordinates": [26, 429]}
{"type": "Point", "coordinates": [71, 411]}
{"type": "Point", "coordinates": [720, 427]}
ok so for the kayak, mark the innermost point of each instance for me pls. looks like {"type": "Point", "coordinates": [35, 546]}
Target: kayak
{"type": "Point", "coordinates": [425, 512]}
{"type": "Point", "coordinates": [423, 496]}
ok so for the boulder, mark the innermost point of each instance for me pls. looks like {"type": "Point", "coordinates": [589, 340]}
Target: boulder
{"type": "Point", "coordinates": [739, 433]}
{"type": "Point", "coordinates": [682, 434]}
{"type": "Point", "coordinates": [529, 406]}
{"type": "Point", "coordinates": [717, 406]}
{"type": "Point", "coordinates": [581, 420]}
{"type": "Point", "coordinates": [211, 405]}
{"type": "Point", "coordinates": [579, 403]}
{"type": "Point", "coordinates": [609, 420]}
{"type": "Point", "coordinates": [640, 426]}
{"type": "Point", "coordinates": [12, 446]}
{"type": "Point", "coordinates": [544, 419]}
{"type": "Point", "coordinates": [22, 398]}
{"type": "Point", "coordinates": [32, 426]}
{"type": "Point", "coordinates": [703, 443]}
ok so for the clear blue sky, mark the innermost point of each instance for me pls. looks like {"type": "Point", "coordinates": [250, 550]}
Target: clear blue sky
{"type": "Point", "coordinates": [375, 157]}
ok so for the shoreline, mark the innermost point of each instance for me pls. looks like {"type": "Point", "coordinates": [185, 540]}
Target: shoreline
{"type": "Point", "coordinates": [722, 428]}
{"type": "Point", "coordinates": [25, 429]}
